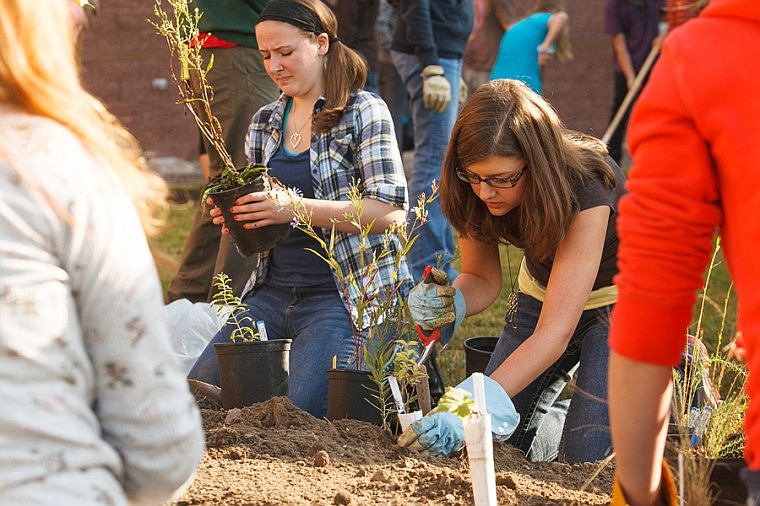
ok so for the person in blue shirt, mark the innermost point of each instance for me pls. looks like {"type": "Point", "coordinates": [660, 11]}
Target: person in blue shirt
{"type": "Point", "coordinates": [532, 42]}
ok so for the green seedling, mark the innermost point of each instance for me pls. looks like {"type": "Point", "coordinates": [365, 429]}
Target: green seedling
{"type": "Point", "coordinates": [407, 371]}
{"type": "Point", "coordinates": [228, 304]}
{"type": "Point", "coordinates": [457, 401]}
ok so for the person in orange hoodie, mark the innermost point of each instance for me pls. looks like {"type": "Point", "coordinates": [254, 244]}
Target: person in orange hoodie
{"type": "Point", "coordinates": [694, 141]}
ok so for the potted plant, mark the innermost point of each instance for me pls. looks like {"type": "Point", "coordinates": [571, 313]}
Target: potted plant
{"type": "Point", "coordinates": [361, 390]}
{"type": "Point", "coordinates": [405, 380]}
{"type": "Point", "coordinates": [252, 368]}
{"type": "Point", "coordinates": [180, 30]}
{"type": "Point", "coordinates": [707, 440]}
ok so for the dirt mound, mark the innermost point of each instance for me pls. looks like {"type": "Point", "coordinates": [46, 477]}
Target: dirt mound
{"type": "Point", "coordinates": [273, 453]}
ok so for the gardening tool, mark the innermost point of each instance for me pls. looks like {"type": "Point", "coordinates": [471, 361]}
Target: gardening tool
{"type": "Point", "coordinates": [206, 393]}
{"type": "Point", "coordinates": [632, 92]}
{"type": "Point", "coordinates": [396, 392]}
{"type": "Point", "coordinates": [428, 338]}
{"type": "Point", "coordinates": [679, 11]}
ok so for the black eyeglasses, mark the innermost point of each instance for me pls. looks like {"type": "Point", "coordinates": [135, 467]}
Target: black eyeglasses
{"type": "Point", "coordinates": [495, 182]}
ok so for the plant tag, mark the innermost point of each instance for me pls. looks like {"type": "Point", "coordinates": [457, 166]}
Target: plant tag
{"type": "Point", "coordinates": [262, 329]}
{"type": "Point", "coordinates": [396, 391]}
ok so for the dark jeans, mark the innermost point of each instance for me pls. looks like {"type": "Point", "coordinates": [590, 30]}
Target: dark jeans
{"type": "Point", "coordinates": [615, 144]}
{"type": "Point", "coordinates": [320, 327]}
{"type": "Point", "coordinates": [752, 482]}
{"type": "Point", "coordinates": [578, 432]}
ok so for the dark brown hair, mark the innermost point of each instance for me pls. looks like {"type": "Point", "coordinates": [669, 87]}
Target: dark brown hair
{"type": "Point", "coordinates": [505, 118]}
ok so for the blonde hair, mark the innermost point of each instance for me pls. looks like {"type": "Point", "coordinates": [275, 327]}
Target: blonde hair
{"type": "Point", "coordinates": [506, 118]}
{"type": "Point", "coordinates": [39, 73]}
{"type": "Point", "coordinates": [564, 48]}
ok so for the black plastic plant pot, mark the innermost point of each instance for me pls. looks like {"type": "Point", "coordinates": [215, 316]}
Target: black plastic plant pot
{"type": "Point", "coordinates": [351, 394]}
{"type": "Point", "coordinates": [248, 241]}
{"type": "Point", "coordinates": [477, 353]}
{"type": "Point", "coordinates": [253, 371]}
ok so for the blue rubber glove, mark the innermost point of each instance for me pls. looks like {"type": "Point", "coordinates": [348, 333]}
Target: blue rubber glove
{"type": "Point", "coordinates": [437, 304]}
{"type": "Point", "coordinates": [442, 433]}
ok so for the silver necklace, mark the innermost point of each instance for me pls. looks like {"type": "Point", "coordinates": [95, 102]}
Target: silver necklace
{"type": "Point", "coordinates": [295, 137]}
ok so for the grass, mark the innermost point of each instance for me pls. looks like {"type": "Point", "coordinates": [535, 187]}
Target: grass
{"type": "Point", "coordinates": [178, 221]}
{"type": "Point", "coordinates": [491, 321]}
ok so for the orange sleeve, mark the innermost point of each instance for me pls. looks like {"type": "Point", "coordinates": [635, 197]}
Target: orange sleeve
{"type": "Point", "coordinates": [666, 222]}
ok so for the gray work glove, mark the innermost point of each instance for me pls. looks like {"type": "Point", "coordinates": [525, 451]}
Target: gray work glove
{"type": "Point", "coordinates": [437, 304]}
{"type": "Point", "coordinates": [436, 90]}
{"type": "Point", "coordinates": [464, 92]}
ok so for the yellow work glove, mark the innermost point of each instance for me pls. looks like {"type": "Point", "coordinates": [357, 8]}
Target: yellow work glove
{"type": "Point", "coordinates": [436, 90]}
{"type": "Point", "coordinates": [464, 92]}
{"type": "Point", "coordinates": [667, 489]}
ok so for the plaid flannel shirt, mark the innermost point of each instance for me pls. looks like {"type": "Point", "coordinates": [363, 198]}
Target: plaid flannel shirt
{"type": "Point", "coordinates": [360, 149]}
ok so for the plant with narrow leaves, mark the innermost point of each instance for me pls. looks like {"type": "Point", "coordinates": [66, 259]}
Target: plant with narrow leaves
{"type": "Point", "coordinates": [381, 314]}
{"type": "Point", "coordinates": [229, 305]}
{"type": "Point", "coordinates": [725, 403]}
{"type": "Point", "coordinates": [378, 356]}
{"type": "Point", "coordinates": [375, 308]}
{"type": "Point", "coordinates": [180, 30]}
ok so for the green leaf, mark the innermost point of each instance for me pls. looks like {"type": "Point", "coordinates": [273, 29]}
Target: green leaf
{"type": "Point", "coordinates": [457, 401]}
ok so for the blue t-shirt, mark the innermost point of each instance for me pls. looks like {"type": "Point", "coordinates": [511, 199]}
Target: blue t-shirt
{"type": "Point", "coordinates": [290, 263]}
{"type": "Point", "coordinates": [518, 51]}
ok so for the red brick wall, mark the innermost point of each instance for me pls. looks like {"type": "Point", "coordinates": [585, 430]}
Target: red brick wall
{"type": "Point", "coordinates": [122, 54]}
{"type": "Point", "coordinates": [581, 89]}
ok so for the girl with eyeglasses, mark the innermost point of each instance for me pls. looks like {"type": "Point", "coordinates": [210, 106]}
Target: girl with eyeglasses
{"type": "Point", "coordinates": [513, 175]}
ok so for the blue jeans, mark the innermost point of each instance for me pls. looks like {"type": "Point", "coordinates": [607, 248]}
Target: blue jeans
{"type": "Point", "coordinates": [320, 327]}
{"type": "Point", "coordinates": [435, 245]}
{"type": "Point", "coordinates": [751, 479]}
{"type": "Point", "coordinates": [578, 432]}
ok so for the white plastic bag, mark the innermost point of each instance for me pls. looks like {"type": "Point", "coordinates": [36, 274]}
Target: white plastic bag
{"type": "Point", "coordinates": [191, 327]}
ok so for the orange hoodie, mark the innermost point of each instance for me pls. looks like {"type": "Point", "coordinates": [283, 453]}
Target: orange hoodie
{"type": "Point", "coordinates": [694, 137]}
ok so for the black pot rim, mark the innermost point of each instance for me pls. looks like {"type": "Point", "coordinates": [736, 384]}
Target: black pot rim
{"type": "Point", "coordinates": [275, 344]}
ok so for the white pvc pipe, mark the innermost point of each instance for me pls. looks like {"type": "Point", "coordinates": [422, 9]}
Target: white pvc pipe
{"type": "Point", "coordinates": [479, 390]}
{"type": "Point", "coordinates": [478, 438]}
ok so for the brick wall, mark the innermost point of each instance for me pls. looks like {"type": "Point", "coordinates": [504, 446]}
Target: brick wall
{"type": "Point", "coordinates": [122, 55]}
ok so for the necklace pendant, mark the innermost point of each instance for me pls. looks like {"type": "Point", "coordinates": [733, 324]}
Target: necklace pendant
{"type": "Point", "coordinates": [512, 308]}
{"type": "Point", "coordinates": [295, 139]}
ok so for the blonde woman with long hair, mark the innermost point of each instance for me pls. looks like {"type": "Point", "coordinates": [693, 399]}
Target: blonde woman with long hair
{"type": "Point", "coordinates": [95, 406]}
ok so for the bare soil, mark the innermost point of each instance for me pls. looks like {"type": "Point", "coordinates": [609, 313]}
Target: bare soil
{"type": "Point", "coordinates": [272, 453]}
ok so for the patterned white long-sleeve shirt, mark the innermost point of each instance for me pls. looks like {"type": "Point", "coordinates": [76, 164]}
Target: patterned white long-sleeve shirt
{"type": "Point", "coordinates": [95, 408]}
